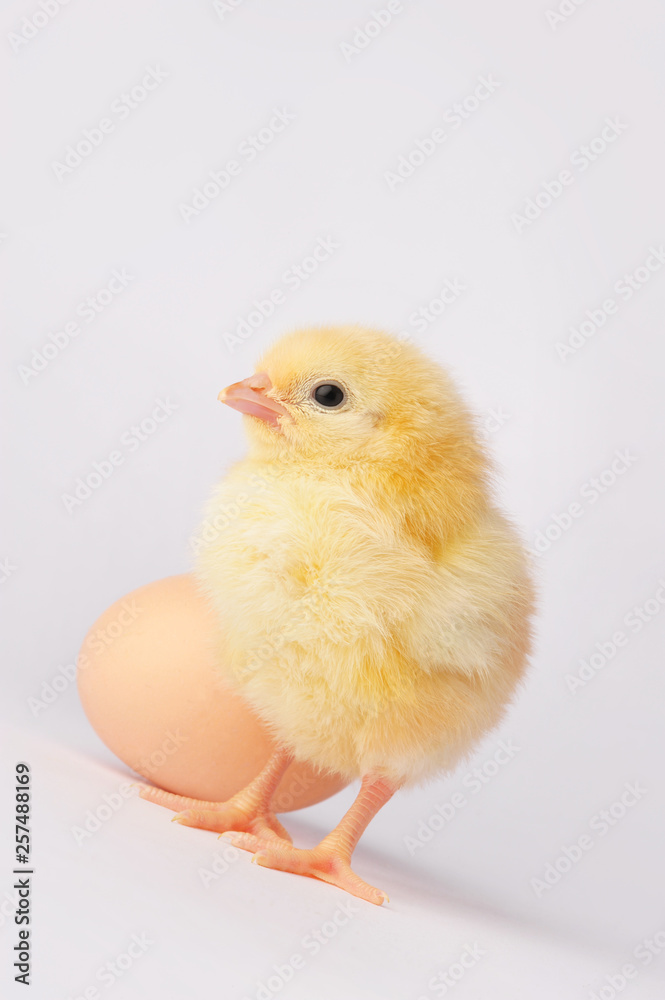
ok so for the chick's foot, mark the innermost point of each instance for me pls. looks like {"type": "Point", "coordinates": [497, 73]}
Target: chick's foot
{"type": "Point", "coordinates": [323, 863]}
{"type": "Point", "coordinates": [330, 861]}
{"type": "Point", "coordinates": [247, 811]}
{"type": "Point", "coordinates": [236, 814]}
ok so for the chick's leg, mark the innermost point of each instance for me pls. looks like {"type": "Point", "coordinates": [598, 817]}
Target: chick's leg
{"type": "Point", "coordinates": [331, 860]}
{"type": "Point", "coordinates": [249, 810]}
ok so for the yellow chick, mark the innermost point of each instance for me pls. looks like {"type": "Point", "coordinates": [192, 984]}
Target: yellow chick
{"type": "Point", "coordinates": [374, 604]}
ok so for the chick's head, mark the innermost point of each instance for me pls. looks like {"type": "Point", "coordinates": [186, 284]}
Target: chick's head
{"type": "Point", "coordinates": [345, 395]}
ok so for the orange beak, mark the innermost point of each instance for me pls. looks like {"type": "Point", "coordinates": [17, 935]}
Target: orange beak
{"type": "Point", "coordinates": [249, 396]}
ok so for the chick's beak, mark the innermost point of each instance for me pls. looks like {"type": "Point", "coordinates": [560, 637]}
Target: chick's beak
{"type": "Point", "coordinates": [249, 396]}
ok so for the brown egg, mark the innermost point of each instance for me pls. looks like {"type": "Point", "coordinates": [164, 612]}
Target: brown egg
{"type": "Point", "coordinates": [149, 686]}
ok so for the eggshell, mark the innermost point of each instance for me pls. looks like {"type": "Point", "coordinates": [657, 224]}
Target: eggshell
{"type": "Point", "coordinates": [149, 686]}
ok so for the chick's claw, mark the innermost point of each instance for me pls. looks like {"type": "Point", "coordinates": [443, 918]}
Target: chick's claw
{"type": "Point", "coordinates": [252, 841]}
{"type": "Point", "coordinates": [216, 820]}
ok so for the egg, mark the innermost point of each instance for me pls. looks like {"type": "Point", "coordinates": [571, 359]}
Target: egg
{"type": "Point", "coordinates": [149, 685]}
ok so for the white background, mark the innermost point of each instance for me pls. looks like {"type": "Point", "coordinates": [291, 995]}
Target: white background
{"type": "Point", "coordinates": [325, 176]}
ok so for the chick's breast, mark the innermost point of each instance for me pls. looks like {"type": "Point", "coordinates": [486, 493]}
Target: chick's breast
{"type": "Point", "coordinates": [360, 649]}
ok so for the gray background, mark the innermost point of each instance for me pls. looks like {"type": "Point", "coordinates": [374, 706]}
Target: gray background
{"type": "Point", "coordinates": [324, 176]}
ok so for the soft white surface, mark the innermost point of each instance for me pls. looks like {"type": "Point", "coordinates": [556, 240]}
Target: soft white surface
{"type": "Point", "coordinates": [163, 337]}
{"type": "Point", "coordinates": [140, 875]}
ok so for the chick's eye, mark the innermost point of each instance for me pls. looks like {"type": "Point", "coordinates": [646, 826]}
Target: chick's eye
{"type": "Point", "coordinates": [328, 394]}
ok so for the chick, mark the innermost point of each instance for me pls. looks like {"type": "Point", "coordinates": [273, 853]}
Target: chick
{"type": "Point", "coordinates": [374, 604]}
